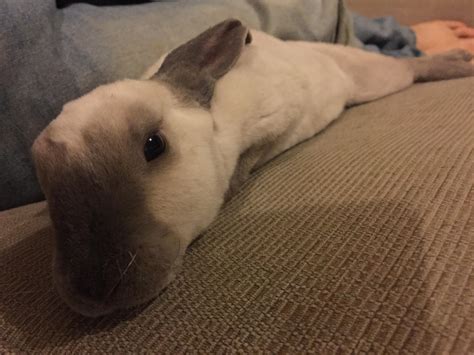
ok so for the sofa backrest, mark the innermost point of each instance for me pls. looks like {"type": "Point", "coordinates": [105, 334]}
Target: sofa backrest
{"type": "Point", "coordinates": [409, 12]}
{"type": "Point", "coordinates": [49, 56]}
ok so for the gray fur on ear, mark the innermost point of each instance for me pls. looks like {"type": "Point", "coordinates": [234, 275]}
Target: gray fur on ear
{"type": "Point", "coordinates": [194, 67]}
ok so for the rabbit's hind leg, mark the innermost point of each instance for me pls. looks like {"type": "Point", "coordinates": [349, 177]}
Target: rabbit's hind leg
{"type": "Point", "coordinates": [450, 65]}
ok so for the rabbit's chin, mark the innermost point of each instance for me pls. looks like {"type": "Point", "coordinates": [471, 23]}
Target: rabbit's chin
{"type": "Point", "coordinates": [123, 294]}
{"type": "Point", "coordinates": [92, 309]}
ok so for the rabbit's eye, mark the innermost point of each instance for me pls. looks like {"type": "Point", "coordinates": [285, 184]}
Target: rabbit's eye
{"type": "Point", "coordinates": [154, 146]}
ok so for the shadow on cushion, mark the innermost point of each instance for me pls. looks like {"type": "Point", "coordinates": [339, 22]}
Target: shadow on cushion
{"type": "Point", "coordinates": [317, 276]}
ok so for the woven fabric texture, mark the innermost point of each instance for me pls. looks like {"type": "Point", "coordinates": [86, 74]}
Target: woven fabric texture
{"type": "Point", "coordinates": [358, 240]}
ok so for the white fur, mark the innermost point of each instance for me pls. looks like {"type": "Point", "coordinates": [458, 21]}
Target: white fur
{"type": "Point", "coordinates": [278, 94]}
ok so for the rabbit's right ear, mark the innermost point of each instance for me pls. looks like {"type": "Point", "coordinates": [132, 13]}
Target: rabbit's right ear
{"type": "Point", "coordinates": [194, 67]}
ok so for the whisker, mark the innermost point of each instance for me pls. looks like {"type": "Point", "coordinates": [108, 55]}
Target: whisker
{"type": "Point", "coordinates": [129, 264]}
{"type": "Point", "coordinates": [118, 266]}
{"type": "Point", "coordinates": [122, 274]}
{"type": "Point", "coordinates": [177, 252]}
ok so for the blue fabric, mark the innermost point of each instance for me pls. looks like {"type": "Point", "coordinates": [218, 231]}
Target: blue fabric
{"type": "Point", "coordinates": [385, 35]}
{"type": "Point", "coordinates": [49, 56]}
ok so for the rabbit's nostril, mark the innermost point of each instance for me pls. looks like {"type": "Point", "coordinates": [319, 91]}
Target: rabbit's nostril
{"type": "Point", "coordinates": [90, 288]}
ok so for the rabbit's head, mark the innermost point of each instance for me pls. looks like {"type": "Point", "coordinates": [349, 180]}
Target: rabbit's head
{"type": "Point", "coordinates": [132, 172]}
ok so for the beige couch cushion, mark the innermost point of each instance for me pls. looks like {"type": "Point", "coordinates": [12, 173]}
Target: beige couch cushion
{"type": "Point", "coordinates": [360, 239]}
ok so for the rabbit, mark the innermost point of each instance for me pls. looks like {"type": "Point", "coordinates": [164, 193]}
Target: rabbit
{"type": "Point", "coordinates": [135, 170]}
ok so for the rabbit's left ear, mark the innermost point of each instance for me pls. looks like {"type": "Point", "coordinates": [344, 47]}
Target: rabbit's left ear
{"type": "Point", "coordinates": [194, 67]}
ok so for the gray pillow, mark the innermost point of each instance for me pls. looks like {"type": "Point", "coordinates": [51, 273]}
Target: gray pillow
{"type": "Point", "coordinates": [49, 56]}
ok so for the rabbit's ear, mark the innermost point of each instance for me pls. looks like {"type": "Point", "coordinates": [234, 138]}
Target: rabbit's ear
{"type": "Point", "coordinates": [194, 67]}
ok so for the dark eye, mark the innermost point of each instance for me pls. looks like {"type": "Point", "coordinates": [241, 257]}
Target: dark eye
{"type": "Point", "coordinates": [154, 146]}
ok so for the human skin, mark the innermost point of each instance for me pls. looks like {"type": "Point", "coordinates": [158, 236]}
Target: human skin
{"type": "Point", "coordinates": [440, 36]}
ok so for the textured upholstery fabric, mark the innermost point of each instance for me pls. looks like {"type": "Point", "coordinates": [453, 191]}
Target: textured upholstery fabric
{"type": "Point", "coordinates": [50, 56]}
{"type": "Point", "coordinates": [360, 239]}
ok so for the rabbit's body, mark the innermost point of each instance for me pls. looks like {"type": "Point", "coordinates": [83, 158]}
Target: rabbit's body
{"type": "Point", "coordinates": [125, 205]}
{"type": "Point", "coordinates": [280, 93]}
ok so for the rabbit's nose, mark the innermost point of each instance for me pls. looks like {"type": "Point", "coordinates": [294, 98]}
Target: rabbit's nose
{"type": "Point", "coordinates": [95, 289]}
{"type": "Point", "coordinates": [92, 288]}
{"type": "Point", "coordinates": [85, 299]}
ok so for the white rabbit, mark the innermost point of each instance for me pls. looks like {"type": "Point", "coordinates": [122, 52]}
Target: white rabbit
{"type": "Point", "coordinates": [135, 170]}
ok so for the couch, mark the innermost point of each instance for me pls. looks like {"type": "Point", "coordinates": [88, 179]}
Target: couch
{"type": "Point", "coordinates": [49, 56]}
{"type": "Point", "coordinates": [360, 239]}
